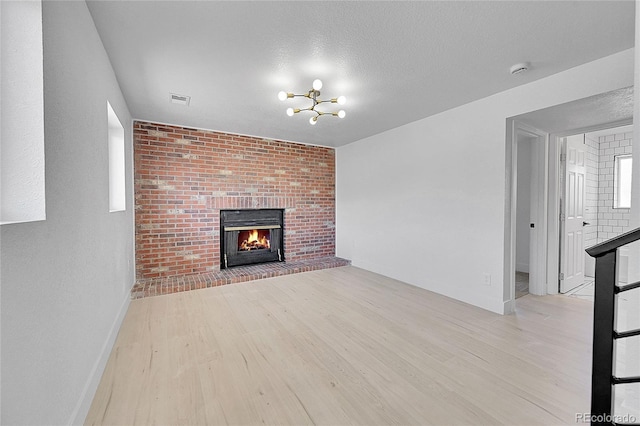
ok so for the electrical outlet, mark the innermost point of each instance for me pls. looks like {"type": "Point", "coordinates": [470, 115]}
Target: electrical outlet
{"type": "Point", "coordinates": [487, 280]}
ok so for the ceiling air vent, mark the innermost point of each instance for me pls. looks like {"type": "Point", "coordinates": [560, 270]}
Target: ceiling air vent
{"type": "Point", "coordinates": [180, 99]}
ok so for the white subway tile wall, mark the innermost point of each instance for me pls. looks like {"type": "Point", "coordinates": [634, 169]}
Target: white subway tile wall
{"type": "Point", "coordinates": [610, 222]}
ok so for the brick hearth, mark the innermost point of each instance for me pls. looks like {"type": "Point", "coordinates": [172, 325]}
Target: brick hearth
{"type": "Point", "coordinates": [167, 285]}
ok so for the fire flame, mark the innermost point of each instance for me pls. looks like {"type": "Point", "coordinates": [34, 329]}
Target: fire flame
{"type": "Point", "coordinates": [255, 241]}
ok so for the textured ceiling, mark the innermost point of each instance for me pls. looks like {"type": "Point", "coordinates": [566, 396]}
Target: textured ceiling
{"type": "Point", "coordinates": [595, 111]}
{"type": "Point", "coordinates": [396, 62]}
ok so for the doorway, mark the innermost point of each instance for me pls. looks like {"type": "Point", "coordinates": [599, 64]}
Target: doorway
{"type": "Point", "coordinates": [606, 202]}
{"type": "Point", "coordinates": [580, 116]}
{"type": "Point", "coordinates": [530, 183]}
{"type": "Point", "coordinates": [523, 215]}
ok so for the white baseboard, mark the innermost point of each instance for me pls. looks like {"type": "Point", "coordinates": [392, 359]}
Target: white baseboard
{"type": "Point", "coordinates": [86, 398]}
{"type": "Point", "coordinates": [522, 267]}
{"type": "Point", "coordinates": [509, 307]}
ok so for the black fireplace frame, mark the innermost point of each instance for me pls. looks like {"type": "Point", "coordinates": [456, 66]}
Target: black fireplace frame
{"type": "Point", "coordinates": [232, 222]}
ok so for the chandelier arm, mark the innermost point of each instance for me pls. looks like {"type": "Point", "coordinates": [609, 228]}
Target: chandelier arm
{"type": "Point", "coordinates": [335, 114]}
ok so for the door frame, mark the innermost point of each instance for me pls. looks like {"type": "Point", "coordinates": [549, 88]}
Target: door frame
{"type": "Point", "coordinates": [556, 171]}
{"type": "Point", "coordinates": [539, 189]}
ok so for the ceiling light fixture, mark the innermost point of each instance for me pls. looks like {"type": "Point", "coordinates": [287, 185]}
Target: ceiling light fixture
{"type": "Point", "coordinates": [313, 95]}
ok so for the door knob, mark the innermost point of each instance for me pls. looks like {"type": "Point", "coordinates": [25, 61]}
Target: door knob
{"type": "Point", "coordinates": [585, 223]}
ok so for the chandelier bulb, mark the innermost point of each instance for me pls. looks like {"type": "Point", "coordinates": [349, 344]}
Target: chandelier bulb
{"type": "Point", "coordinates": [341, 113]}
{"type": "Point", "coordinates": [342, 100]}
{"type": "Point", "coordinates": [282, 95]}
{"type": "Point", "coordinates": [317, 84]}
{"type": "Point", "coordinates": [290, 112]}
{"type": "Point", "coordinates": [313, 120]}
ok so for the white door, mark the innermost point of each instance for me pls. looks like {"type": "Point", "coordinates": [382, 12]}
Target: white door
{"type": "Point", "coordinates": [572, 248]}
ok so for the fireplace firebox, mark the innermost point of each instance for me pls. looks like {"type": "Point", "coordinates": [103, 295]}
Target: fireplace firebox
{"type": "Point", "coordinates": [251, 236]}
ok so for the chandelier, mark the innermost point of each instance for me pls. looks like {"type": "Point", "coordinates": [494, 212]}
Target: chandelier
{"type": "Point", "coordinates": [313, 95]}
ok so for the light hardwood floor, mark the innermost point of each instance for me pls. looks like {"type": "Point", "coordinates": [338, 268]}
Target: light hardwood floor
{"type": "Point", "coordinates": [344, 346]}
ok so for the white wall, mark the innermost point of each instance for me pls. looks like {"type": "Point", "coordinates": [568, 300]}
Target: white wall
{"type": "Point", "coordinates": [523, 214]}
{"type": "Point", "coordinates": [442, 181]}
{"type": "Point", "coordinates": [66, 280]}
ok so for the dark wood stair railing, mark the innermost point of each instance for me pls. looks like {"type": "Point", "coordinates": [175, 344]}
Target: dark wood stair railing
{"type": "Point", "coordinates": [604, 333]}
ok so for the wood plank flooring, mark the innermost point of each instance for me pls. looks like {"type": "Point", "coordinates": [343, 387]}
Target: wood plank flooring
{"type": "Point", "coordinates": [344, 346]}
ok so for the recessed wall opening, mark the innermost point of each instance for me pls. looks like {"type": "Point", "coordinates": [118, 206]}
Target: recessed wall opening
{"type": "Point", "coordinates": [22, 159]}
{"type": "Point", "coordinates": [117, 197]}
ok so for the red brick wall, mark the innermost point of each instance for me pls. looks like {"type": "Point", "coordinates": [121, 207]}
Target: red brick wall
{"type": "Point", "coordinates": [184, 177]}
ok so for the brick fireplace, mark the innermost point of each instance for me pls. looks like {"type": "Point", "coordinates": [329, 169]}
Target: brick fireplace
{"type": "Point", "coordinates": [184, 177]}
